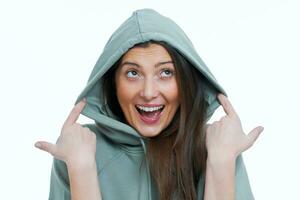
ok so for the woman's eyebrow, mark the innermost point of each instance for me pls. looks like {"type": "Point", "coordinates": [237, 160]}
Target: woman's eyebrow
{"type": "Point", "coordinates": [162, 63]}
{"type": "Point", "coordinates": [129, 63]}
{"type": "Point", "coordinates": [137, 65]}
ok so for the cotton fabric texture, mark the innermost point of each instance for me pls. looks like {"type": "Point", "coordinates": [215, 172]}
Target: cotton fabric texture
{"type": "Point", "coordinates": [120, 155]}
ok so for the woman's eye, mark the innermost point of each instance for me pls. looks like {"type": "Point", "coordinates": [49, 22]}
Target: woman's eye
{"type": "Point", "coordinates": [131, 74]}
{"type": "Point", "coordinates": [165, 73]}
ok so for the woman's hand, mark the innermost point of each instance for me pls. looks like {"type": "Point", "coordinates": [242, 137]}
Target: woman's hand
{"type": "Point", "coordinates": [225, 139]}
{"type": "Point", "coordinates": [76, 145]}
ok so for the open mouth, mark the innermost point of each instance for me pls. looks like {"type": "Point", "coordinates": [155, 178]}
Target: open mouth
{"type": "Point", "coordinates": [149, 113]}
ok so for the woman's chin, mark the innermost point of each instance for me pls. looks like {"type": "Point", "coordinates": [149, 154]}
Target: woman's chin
{"type": "Point", "coordinates": [149, 131]}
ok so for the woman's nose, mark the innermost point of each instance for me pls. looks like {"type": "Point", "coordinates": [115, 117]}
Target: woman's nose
{"type": "Point", "coordinates": [149, 90]}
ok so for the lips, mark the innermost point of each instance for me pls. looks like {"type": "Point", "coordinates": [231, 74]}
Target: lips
{"type": "Point", "coordinates": [150, 114]}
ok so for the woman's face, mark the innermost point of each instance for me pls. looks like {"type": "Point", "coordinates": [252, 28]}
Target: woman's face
{"type": "Point", "coordinates": [147, 89]}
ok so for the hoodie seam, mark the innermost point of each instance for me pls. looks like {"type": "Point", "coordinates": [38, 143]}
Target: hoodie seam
{"type": "Point", "coordinates": [138, 25]}
{"type": "Point", "coordinates": [119, 154]}
{"type": "Point", "coordinates": [136, 152]}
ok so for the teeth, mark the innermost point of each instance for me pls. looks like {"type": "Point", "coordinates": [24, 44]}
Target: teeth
{"type": "Point", "coordinates": [149, 109]}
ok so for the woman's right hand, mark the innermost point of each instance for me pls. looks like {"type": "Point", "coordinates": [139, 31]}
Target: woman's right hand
{"type": "Point", "coordinates": [76, 145]}
{"type": "Point", "coordinates": [225, 138]}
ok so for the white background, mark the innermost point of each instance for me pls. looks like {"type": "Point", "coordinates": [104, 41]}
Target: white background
{"type": "Point", "coordinates": [48, 49]}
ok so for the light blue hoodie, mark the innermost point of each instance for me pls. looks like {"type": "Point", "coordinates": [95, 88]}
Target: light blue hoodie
{"type": "Point", "coordinates": [120, 149]}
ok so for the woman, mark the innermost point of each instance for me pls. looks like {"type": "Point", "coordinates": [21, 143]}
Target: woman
{"type": "Point", "coordinates": [151, 96]}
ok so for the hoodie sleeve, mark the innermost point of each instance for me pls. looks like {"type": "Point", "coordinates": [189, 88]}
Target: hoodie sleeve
{"type": "Point", "coordinates": [59, 181]}
{"type": "Point", "coordinates": [242, 185]}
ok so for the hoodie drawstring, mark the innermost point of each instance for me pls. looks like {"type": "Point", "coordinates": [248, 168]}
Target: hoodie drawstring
{"type": "Point", "coordinates": [148, 171]}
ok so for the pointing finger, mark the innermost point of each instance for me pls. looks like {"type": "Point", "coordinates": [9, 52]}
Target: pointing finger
{"type": "Point", "coordinates": [46, 146]}
{"type": "Point", "coordinates": [227, 106]}
{"type": "Point", "coordinates": [73, 116]}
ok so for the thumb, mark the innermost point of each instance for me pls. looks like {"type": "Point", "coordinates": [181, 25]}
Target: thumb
{"type": "Point", "coordinates": [46, 146]}
{"type": "Point", "coordinates": [253, 135]}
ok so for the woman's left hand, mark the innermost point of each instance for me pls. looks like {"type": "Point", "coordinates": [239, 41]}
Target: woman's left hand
{"type": "Point", "coordinates": [225, 139]}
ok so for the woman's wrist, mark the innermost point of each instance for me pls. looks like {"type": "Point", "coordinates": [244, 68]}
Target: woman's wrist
{"type": "Point", "coordinates": [219, 181]}
{"type": "Point", "coordinates": [81, 164]}
{"type": "Point", "coordinates": [84, 182]}
{"type": "Point", "coordinates": [221, 159]}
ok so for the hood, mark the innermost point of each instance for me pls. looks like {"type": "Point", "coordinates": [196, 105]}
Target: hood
{"type": "Point", "coordinates": [143, 25]}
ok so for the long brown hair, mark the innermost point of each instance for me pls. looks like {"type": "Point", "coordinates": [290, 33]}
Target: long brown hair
{"type": "Point", "coordinates": [177, 156]}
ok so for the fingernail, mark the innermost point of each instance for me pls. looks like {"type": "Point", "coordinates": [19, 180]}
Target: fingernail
{"type": "Point", "coordinates": [221, 95]}
{"type": "Point", "coordinates": [38, 145]}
